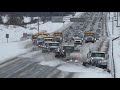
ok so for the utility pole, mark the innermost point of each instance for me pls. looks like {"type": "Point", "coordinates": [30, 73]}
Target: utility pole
{"type": "Point", "coordinates": [109, 15]}
{"type": "Point", "coordinates": [38, 23]}
{"type": "Point", "coordinates": [115, 15]}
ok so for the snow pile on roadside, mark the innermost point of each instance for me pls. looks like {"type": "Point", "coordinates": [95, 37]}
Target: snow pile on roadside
{"type": "Point", "coordinates": [82, 72]}
{"type": "Point", "coordinates": [12, 49]}
{"type": "Point", "coordinates": [92, 75]}
{"type": "Point", "coordinates": [116, 44]}
{"type": "Point", "coordinates": [16, 32]}
{"type": "Point", "coordinates": [51, 63]}
{"type": "Point", "coordinates": [79, 68]}
{"type": "Point", "coordinates": [116, 49]}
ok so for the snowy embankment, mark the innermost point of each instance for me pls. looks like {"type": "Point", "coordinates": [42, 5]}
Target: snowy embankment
{"type": "Point", "coordinates": [116, 44]}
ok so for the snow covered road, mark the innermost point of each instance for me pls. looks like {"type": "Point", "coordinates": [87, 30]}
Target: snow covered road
{"type": "Point", "coordinates": [42, 65]}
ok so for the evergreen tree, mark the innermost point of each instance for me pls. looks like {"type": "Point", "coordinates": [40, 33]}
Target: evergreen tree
{"type": "Point", "coordinates": [1, 21]}
{"type": "Point", "coordinates": [15, 20]}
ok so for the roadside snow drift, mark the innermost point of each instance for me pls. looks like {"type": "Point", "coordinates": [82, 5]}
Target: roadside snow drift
{"type": "Point", "coordinates": [12, 49]}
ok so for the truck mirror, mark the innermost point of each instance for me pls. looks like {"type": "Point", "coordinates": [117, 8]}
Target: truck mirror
{"type": "Point", "coordinates": [108, 56]}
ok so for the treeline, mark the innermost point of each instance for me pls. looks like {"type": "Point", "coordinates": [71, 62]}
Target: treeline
{"type": "Point", "coordinates": [17, 18]}
{"type": "Point", "coordinates": [35, 14]}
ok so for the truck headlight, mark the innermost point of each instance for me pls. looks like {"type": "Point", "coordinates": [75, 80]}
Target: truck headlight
{"type": "Point", "coordinates": [103, 61]}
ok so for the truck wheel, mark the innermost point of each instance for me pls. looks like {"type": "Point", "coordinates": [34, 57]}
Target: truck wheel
{"type": "Point", "coordinates": [84, 64]}
{"type": "Point", "coordinates": [108, 71]}
{"type": "Point", "coordinates": [103, 66]}
{"type": "Point", "coordinates": [56, 55]}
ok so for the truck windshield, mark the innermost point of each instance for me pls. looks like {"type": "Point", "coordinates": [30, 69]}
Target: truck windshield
{"type": "Point", "coordinates": [34, 37]}
{"type": "Point", "coordinates": [68, 48]}
{"type": "Point", "coordinates": [98, 55]}
{"type": "Point", "coordinates": [40, 39]}
{"type": "Point", "coordinates": [48, 39]}
{"type": "Point", "coordinates": [54, 44]}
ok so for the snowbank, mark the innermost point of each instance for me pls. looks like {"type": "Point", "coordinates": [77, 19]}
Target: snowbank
{"type": "Point", "coordinates": [116, 44]}
{"type": "Point", "coordinates": [83, 72]}
{"type": "Point", "coordinates": [15, 33]}
{"type": "Point", "coordinates": [92, 75]}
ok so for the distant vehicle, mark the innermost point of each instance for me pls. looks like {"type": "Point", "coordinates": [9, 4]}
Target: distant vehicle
{"type": "Point", "coordinates": [78, 41]}
{"type": "Point", "coordinates": [89, 36]}
{"type": "Point", "coordinates": [97, 58]}
{"type": "Point", "coordinates": [89, 39]}
{"type": "Point", "coordinates": [29, 36]}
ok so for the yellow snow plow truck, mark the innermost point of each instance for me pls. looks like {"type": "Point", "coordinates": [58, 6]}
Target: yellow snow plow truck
{"type": "Point", "coordinates": [58, 36]}
{"type": "Point", "coordinates": [89, 37]}
{"type": "Point", "coordinates": [34, 38]}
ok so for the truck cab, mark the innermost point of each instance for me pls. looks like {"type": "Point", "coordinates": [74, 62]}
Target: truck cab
{"type": "Point", "coordinates": [89, 39]}
{"type": "Point", "coordinates": [58, 36]}
{"type": "Point", "coordinates": [97, 58]}
{"type": "Point", "coordinates": [89, 36]}
{"type": "Point", "coordinates": [50, 46]}
{"type": "Point", "coordinates": [40, 41]}
{"type": "Point", "coordinates": [34, 39]}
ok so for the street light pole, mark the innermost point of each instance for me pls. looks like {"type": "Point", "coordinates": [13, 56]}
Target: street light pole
{"type": "Point", "coordinates": [117, 18]}
{"type": "Point", "coordinates": [112, 25]}
{"type": "Point", "coordinates": [109, 15]}
{"type": "Point", "coordinates": [115, 15]}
